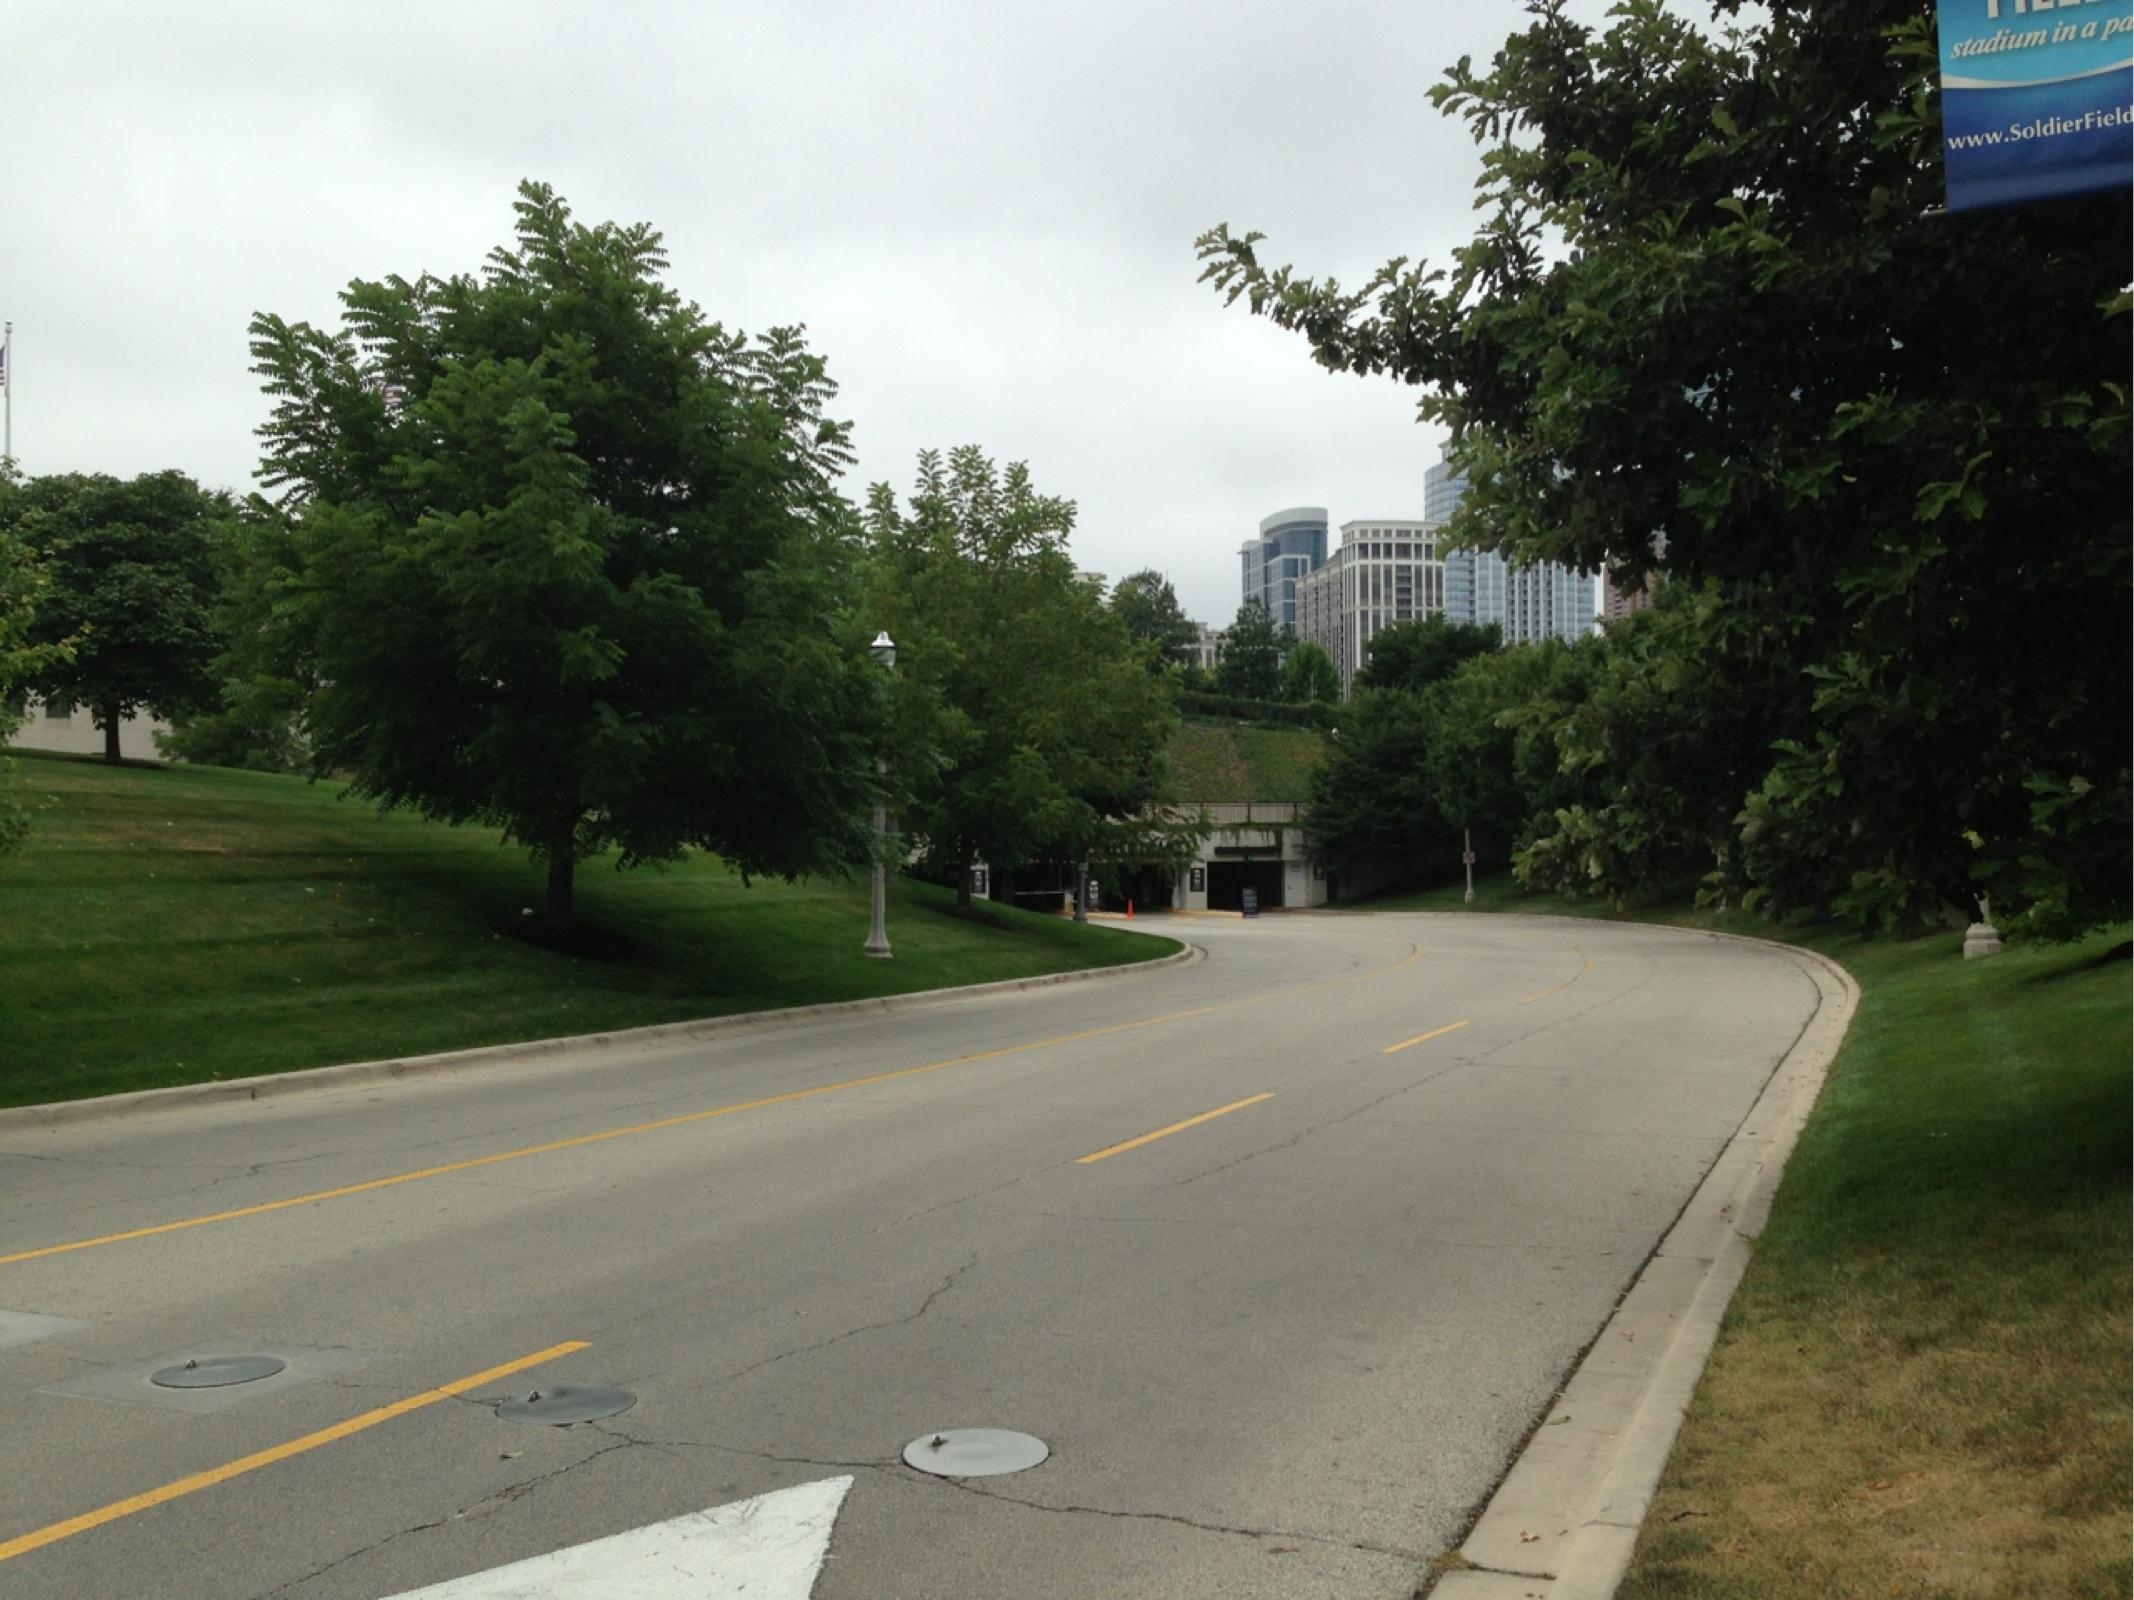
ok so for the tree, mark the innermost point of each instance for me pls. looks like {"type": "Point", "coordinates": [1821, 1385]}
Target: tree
{"type": "Point", "coordinates": [1495, 765]}
{"type": "Point", "coordinates": [1670, 728]}
{"type": "Point", "coordinates": [1414, 655]}
{"type": "Point", "coordinates": [23, 585]}
{"type": "Point", "coordinates": [562, 557]}
{"type": "Point", "coordinates": [1308, 675]}
{"type": "Point", "coordinates": [131, 568]}
{"type": "Point", "coordinates": [1038, 728]}
{"type": "Point", "coordinates": [1370, 806]}
{"type": "Point", "coordinates": [255, 718]}
{"type": "Point", "coordinates": [1148, 606]}
{"type": "Point", "coordinates": [1713, 298]}
{"type": "Point", "coordinates": [1251, 663]}
{"type": "Point", "coordinates": [1410, 773]}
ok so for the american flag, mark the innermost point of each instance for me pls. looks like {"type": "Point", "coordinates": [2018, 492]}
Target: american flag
{"type": "Point", "coordinates": [3, 369]}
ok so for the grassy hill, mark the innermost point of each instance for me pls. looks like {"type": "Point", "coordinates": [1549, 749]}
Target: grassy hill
{"type": "Point", "coordinates": [1218, 761]}
{"type": "Point", "coordinates": [170, 925]}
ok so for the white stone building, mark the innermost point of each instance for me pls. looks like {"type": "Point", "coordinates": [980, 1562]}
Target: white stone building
{"type": "Point", "coordinates": [1387, 570]}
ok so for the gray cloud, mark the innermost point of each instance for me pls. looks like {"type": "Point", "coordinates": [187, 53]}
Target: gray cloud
{"type": "Point", "coordinates": [983, 212]}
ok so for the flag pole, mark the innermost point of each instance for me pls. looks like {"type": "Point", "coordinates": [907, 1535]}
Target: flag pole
{"type": "Point", "coordinates": [7, 397]}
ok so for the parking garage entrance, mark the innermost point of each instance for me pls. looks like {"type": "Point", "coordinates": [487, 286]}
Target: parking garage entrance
{"type": "Point", "coordinates": [1228, 881]}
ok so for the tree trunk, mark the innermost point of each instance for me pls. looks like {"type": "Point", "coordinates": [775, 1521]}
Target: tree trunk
{"type": "Point", "coordinates": [562, 864]}
{"type": "Point", "coordinates": [111, 731]}
{"type": "Point", "coordinates": [963, 884]}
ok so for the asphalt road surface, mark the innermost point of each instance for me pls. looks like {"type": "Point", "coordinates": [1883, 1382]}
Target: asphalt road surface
{"type": "Point", "coordinates": [1401, 1169]}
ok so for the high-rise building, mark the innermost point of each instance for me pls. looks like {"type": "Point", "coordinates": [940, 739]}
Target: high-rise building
{"type": "Point", "coordinates": [1530, 603]}
{"type": "Point", "coordinates": [1387, 570]}
{"type": "Point", "coordinates": [1619, 600]}
{"type": "Point", "coordinates": [1291, 544]}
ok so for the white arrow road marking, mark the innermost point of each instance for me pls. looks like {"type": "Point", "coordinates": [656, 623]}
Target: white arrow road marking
{"type": "Point", "coordinates": [770, 1547]}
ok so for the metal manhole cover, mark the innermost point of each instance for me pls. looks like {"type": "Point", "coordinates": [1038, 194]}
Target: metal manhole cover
{"type": "Point", "coordinates": [567, 1403]}
{"type": "Point", "coordinates": [217, 1372]}
{"type": "Point", "coordinates": [975, 1452]}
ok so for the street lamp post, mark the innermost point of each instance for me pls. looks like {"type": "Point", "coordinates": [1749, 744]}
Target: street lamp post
{"type": "Point", "coordinates": [1467, 860]}
{"type": "Point", "coordinates": [884, 651]}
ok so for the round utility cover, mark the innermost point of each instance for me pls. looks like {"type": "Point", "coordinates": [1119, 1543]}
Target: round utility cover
{"type": "Point", "coordinates": [975, 1452]}
{"type": "Point", "coordinates": [217, 1372]}
{"type": "Point", "coordinates": [567, 1403]}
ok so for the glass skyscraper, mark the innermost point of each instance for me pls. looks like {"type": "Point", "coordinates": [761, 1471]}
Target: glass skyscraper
{"type": "Point", "coordinates": [1291, 544]}
{"type": "Point", "coordinates": [1547, 601]}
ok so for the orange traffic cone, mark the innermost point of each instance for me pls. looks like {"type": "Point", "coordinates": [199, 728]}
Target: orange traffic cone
{"type": "Point", "coordinates": [1129, 911]}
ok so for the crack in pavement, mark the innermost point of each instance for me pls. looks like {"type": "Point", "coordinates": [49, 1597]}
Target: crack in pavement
{"type": "Point", "coordinates": [504, 1496]}
{"type": "Point", "coordinates": [906, 1320]}
{"type": "Point", "coordinates": [898, 1471]}
{"type": "Point", "coordinates": [965, 1199]}
{"type": "Point", "coordinates": [1302, 1134]}
{"type": "Point", "coordinates": [1332, 1540]}
{"type": "Point", "coordinates": [873, 1464]}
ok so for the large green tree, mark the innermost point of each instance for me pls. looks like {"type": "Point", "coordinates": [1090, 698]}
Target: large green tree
{"type": "Point", "coordinates": [561, 556]}
{"type": "Point", "coordinates": [1410, 774]}
{"type": "Point", "coordinates": [1251, 662]}
{"type": "Point", "coordinates": [23, 584]}
{"type": "Point", "coordinates": [1370, 808]}
{"type": "Point", "coordinates": [1414, 655]}
{"type": "Point", "coordinates": [1147, 605]}
{"type": "Point", "coordinates": [255, 718]}
{"type": "Point", "coordinates": [1308, 675]}
{"type": "Point", "coordinates": [132, 569]}
{"type": "Point", "coordinates": [1713, 297]}
{"type": "Point", "coordinates": [1028, 725]}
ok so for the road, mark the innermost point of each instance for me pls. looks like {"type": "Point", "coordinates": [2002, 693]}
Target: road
{"type": "Point", "coordinates": [1284, 1349]}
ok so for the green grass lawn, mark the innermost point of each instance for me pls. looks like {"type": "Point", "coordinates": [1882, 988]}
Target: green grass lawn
{"type": "Point", "coordinates": [1921, 1389]}
{"type": "Point", "coordinates": [171, 925]}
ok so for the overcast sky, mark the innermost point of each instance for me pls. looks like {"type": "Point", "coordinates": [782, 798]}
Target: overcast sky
{"type": "Point", "coordinates": [983, 212]}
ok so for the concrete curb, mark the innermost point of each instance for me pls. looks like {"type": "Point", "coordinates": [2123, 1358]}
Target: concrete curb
{"type": "Point", "coordinates": [1564, 1521]}
{"type": "Point", "coordinates": [274, 1085]}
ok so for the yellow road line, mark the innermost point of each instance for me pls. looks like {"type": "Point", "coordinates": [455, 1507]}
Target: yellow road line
{"type": "Point", "coordinates": [54, 1532]}
{"type": "Point", "coordinates": [1582, 971]}
{"type": "Point", "coordinates": [1450, 1027]}
{"type": "Point", "coordinates": [579, 1141]}
{"type": "Point", "coordinates": [1176, 1127]}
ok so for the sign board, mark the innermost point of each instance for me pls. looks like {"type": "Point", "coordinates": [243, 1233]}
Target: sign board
{"type": "Point", "coordinates": [1197, 879]}
{"type": "Point", "coordinates": [1467, 858]}
{"type": "Point", "coordinates": [978, 885]}
{"type": "Point", "coordinates": [1252, 902]}
{"type": "Point", "coordinates": [2037, 99]}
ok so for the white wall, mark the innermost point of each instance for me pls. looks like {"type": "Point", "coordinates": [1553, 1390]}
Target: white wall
{"type": "Point", "coordinates": [77, 733]}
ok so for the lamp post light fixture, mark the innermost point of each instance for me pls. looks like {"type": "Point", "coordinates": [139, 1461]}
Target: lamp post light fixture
{"type": "Point", "coordinates": [884, 651]}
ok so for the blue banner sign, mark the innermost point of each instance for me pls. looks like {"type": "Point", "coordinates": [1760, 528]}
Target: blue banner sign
{"type": "Point", "coordinates": [2037, 99]}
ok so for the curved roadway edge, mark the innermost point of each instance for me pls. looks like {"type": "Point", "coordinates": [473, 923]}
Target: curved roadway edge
{"type": "Point", "coordinates": [1565, 1519]}
{"type": "Point", "coordinates": [62, 1113]}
